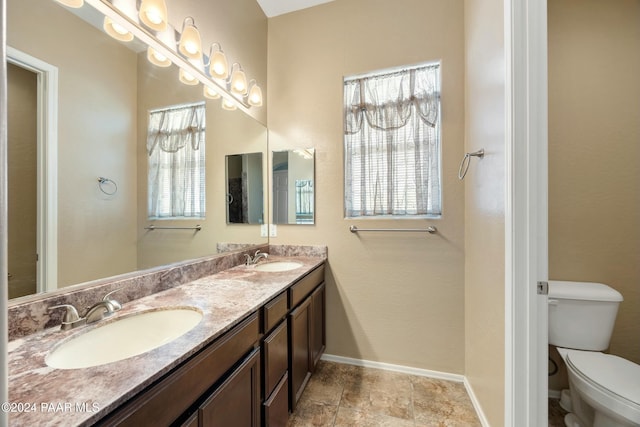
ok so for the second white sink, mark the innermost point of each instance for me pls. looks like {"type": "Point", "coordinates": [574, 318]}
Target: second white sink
{"type": "Point", "coordinates": [124, 338]}
{"type": "Point", "coordinates": [278, 266]}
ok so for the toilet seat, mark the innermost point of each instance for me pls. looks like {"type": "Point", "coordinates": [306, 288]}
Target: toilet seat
{"type": "Point", "coordinates": [615, 374]}
{"type": "Point", "coordinates": [608, 381]}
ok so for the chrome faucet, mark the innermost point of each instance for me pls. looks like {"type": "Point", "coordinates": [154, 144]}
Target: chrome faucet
{"type": "Point", "coordinates": [96, 312]}
{"type": "Point", "coordinates": [256, 257]}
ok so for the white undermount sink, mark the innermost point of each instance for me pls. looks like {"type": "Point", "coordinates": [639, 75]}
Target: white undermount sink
{"type": "Point", "coordinates": [124, 338]}
{"type": "Point", "coordinates": [276, 266]}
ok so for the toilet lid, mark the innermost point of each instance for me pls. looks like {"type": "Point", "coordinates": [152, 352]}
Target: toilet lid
{"type": "Point", "coordinates": [618, 375]}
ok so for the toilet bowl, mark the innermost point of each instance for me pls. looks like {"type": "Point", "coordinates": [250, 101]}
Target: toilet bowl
{"type": "Point", "coordinates": [605, 389]}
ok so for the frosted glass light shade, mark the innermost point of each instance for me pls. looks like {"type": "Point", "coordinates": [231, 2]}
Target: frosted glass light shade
{"type": "Point", "coordinates": [116, 30]}
{"type": "Point", "coordinates": [190, 43]}
{"type": "Point", "coordinates": [187, 78]}
{"type": "Point", "coordinates": [238, 81]}
{"type": "Point", "coordinates": [153, 14]}
{"type": "Point", "coordinates": [228, 105]}
{"type": "Point", "coordinates": [255, 96]}
{"type": "Point", "coordinates": [157, 58]}
{"type": "Point", "coordinates": [72, 3]}
{"type": "Point", "coordinates": [218, 65]}
{"type": "Point", "coordinates": [210, 93]}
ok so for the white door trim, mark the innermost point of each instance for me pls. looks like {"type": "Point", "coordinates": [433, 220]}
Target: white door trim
{"type": "Point", "coordinates": [526, 229]}
{"type": "Point", "coordinates": [47, 233]}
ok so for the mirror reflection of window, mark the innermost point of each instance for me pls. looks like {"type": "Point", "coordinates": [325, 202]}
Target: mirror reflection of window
{"type": "Point", "coordinates": [304, 201]}
{"type": "Point", "coordinates": [293, 186]}
{"type": "Point", "coordinates": [176, 148]}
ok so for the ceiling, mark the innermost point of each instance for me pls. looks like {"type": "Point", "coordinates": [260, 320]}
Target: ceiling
{"type": "Point", "coordinates": [273, 8]}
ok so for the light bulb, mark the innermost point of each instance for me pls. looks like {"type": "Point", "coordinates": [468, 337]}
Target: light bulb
{"type": "Point", "coordinates": [187, 78]}
{"type": "Point", "coordinates": [218, 64]}
{"type": "Point", "coordinates": [238, 81]}
{"type": "Point", "coordinates": [228, 105]}
{"type": "Point", "coordinates": [153, 14]}
{"type": "Point", "coordinates": [157, 58]}
{"type": "Point", "coordinates": [190, 44]}
{"type": "Point", "coordinates": [210, 93]}
{"type": "Point", "coordinates": [116, 30]}
{"type": "Point", "coordinates": [255, 96]}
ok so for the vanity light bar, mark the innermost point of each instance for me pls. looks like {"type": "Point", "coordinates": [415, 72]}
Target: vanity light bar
{"type": "Point", "coordinates": [132, 24]}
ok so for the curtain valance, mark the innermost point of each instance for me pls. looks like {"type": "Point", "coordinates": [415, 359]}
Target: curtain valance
{"type": "Point", "coordinates": [387, 102]}
{"type": "Point", "coordinates": [172, 128]}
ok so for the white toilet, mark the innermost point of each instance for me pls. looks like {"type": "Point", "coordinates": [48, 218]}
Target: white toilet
{"type": "Point", "coordinates": [605, 389]}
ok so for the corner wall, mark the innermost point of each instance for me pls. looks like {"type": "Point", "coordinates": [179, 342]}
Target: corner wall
{"type": "Point", "coordinates": [484, 206]}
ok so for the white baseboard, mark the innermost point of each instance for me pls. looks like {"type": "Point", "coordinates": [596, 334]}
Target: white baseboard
{"type": "Point", "coordinates": [414, 371]}
{"type": "Point", "coordinates": [476, 404]}
{"type": "Point", "coordinates": [395, 368]}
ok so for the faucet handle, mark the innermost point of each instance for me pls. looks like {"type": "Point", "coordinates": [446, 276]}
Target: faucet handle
{"type": "Point", "coordinates": [248, 259]}
{"type": "Point", "coordinates": [115, 304]}
{"type": "Point", "coordinates": [70, 318]}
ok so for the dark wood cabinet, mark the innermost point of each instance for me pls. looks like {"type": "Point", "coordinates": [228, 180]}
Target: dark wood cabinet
{"type": "Point", "coordinates": [276, 358]}
{"type": "Point", "coordinates": [299, 357]}
{"type": "Point", "coordinates": [276, 407]}
{"type": "Point", "coordinates": [318, 337]}
{"type": "Point", "coordinates": [172, 396]}
{"type": "Point", "coordinates": [235, 403]}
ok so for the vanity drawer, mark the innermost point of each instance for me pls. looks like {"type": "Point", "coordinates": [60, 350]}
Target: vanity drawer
{"type": "Point", "coordinates": [274, 311]}
{"type": "Point", "coordinates": [165, 401]}
{"type": "Point", "coordinates": [304, 286]}
{"type": "Point", "coordinates": [276, 408]}
{"type": "Point", "coordinates": [276, 357]}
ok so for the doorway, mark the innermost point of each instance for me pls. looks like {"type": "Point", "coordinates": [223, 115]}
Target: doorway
{"type": "Point", "coordinates": [42, 171]}
{"type": "Point", "coordinates": [22, 172]}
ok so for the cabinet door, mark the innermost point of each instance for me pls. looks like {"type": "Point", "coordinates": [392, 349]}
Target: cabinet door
{"type": "Point", "coordinates": [299, 369]}
{"type": "Point", "coordinates": [276, 357]}
{"type": "Point", "coordinates": [318, 334]}
{"type": "Point", "coordinates": [236, 403]}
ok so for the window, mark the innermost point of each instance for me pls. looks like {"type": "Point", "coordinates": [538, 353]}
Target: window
{"type": "Point", "coordinates": [176, 148]}
{"type": "Point", "coordinates": [392, 143]}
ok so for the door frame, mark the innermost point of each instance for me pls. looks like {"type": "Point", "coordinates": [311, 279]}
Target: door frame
{"type": "Point", "coordinates": [47, 179]}
{"type": "Point", "coordinates": [526, 213]}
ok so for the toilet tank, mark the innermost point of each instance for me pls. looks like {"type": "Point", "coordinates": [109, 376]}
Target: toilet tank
{"type": "Point", "coordinates": [582, 314]}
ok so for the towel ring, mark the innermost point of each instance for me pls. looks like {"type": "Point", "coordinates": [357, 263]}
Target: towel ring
{"type": "Point", "coordinates": [466, 161]}
{"type": "Point", "coordinates": [101, 184]}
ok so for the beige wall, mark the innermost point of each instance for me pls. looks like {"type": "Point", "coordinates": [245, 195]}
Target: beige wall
{"type": "Point", "coordinates": [484, 206]}
{"type": "Point", "coordinates": [96, 137]}
{"type": "Point", "coordinates": [594, 148]}
{"type": "Point", "coordinates": [22, 171]}
{"type": "Point", "coordinates": [393, 297]}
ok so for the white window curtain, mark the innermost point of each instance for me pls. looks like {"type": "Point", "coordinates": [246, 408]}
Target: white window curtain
{"type": "Point", "coordinates": [392, 143]}
{"type": "Point", "coordinates": [176, 149]}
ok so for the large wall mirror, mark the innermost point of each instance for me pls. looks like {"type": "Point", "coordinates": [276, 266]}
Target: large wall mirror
{"type": "Point", "coordinates": [293, 186]}
{"type": "Point", "coordinates": [104, 93]}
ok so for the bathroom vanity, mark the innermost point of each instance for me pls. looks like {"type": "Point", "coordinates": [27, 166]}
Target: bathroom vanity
{"type": "Point", "coordinates": [245, 364]}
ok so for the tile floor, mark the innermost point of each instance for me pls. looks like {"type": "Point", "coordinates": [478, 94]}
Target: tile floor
{"type": "Point", "coordinates": [345, 395]}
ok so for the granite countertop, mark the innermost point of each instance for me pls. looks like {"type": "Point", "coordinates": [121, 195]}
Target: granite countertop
{"type": "Point", "coordinates": [44, 396]}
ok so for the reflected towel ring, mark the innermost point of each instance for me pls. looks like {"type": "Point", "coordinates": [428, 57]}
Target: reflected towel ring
{"type": "Point", "coordinates": [466, 161]}
{"type": "Point", "coordinates": [101, 184]}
